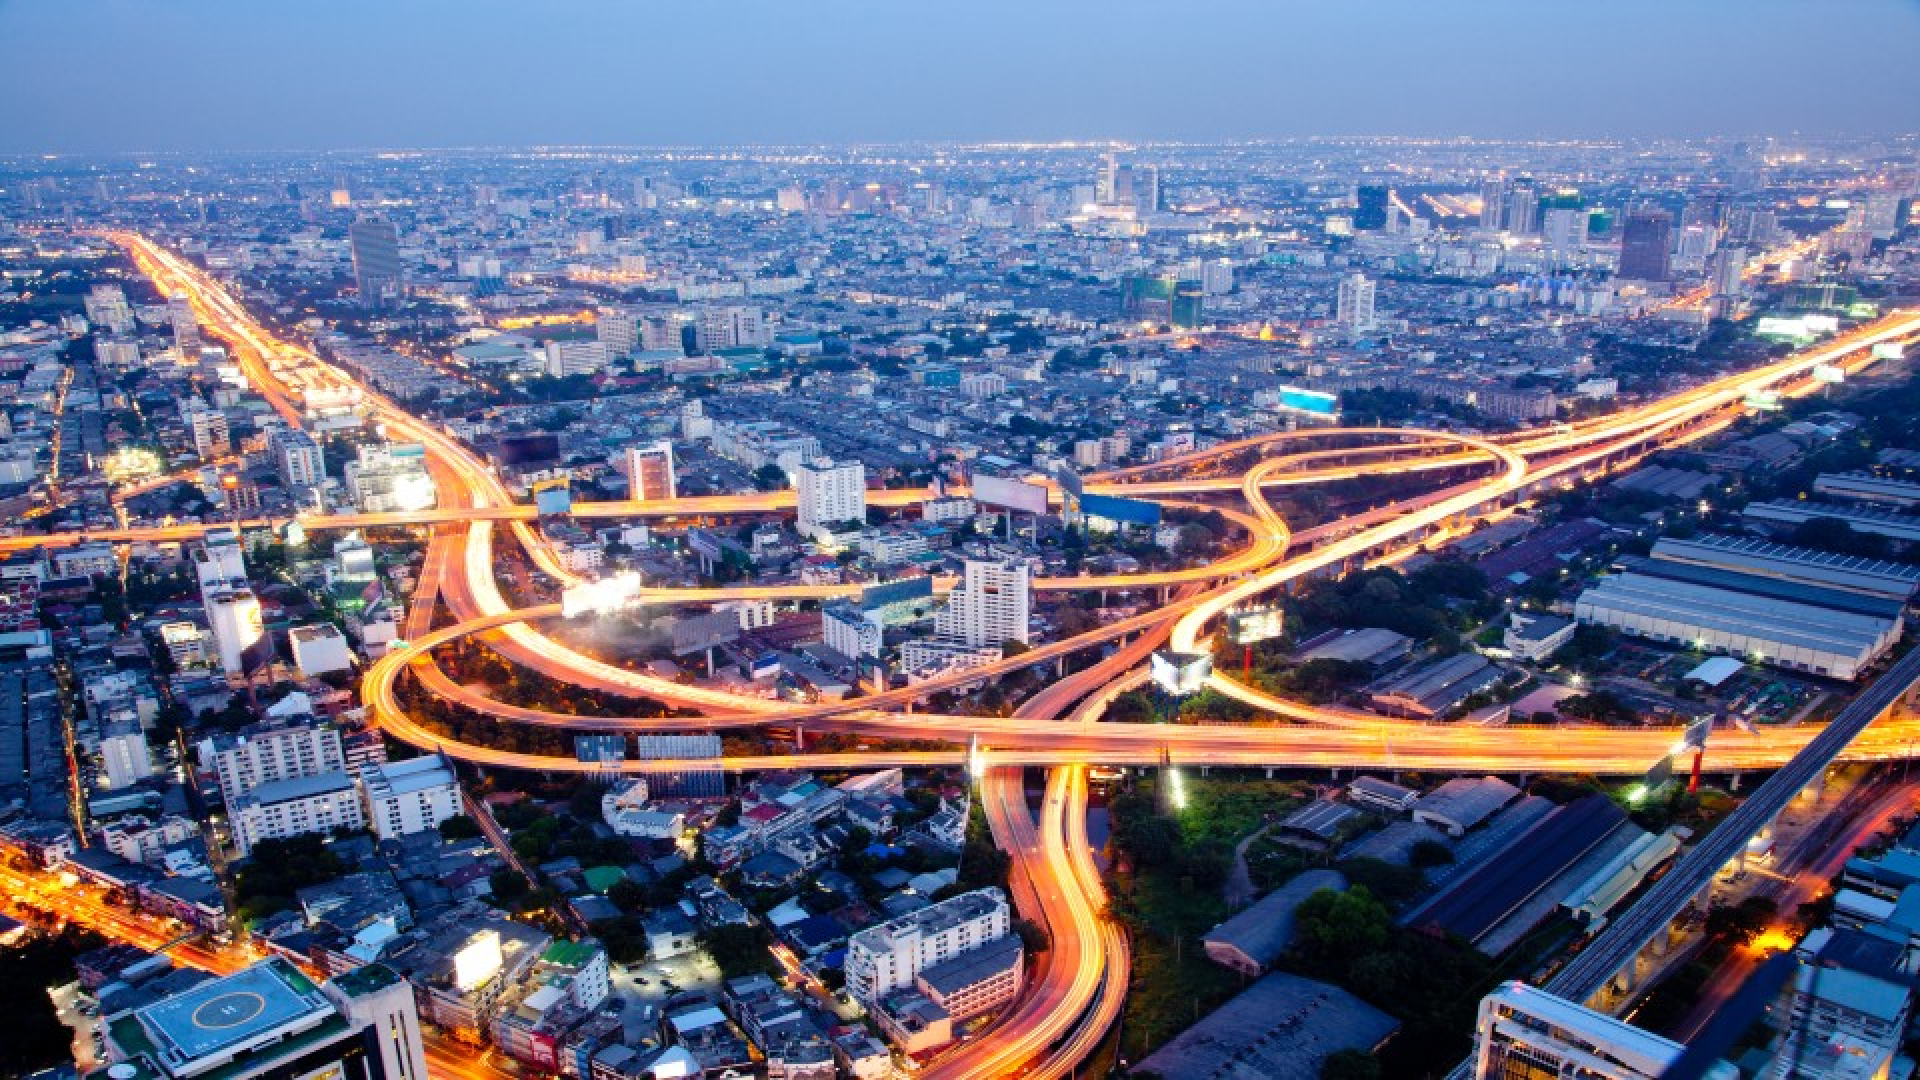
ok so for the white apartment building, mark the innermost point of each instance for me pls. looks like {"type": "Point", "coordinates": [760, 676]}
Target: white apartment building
{"type": "Point", "coordinates": [208, 427]}
{"type": "Point", "coordinates": [407, 797]}
{"type": "Point", "coordinates": [391, 478]}
{"type": "Point", "coordinates": [261, 754]}
{"type": "Point", "coordinates": [86, 560]}
{"type": "Point", "coordinates": [884, 958]}
{"type": "Point", "coordinates": [295, 807]}
{"type": "Point", "coordinates": [298, 458]}
{"type": "Point", "coordinates": [124, 755]}
{"type": "Point", "coordinates": [732, 328]}
{"type": "Point", "coordinates": [948, 508]}
{"type": "Point", "coordinates": [850, 632]}
{"type": "Point", "coordinates": [980, 387]}
{"type": "Point", "coordinates": [576, 358]}
{"type": "Point", "coordinates": [219, 560]}
{"type": "Point", "coordinates": [138, 840]}
{"type": "Point", "coordinates": [991, 605]}
{"type": "Point", "coordinates": [830, 492]}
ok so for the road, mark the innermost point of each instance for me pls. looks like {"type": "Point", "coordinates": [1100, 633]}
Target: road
{"type": "Point", "coordinates": [460, 566]}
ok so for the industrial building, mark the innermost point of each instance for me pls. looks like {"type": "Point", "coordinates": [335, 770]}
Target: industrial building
{"type": "Point", "coordinates": [1817, 630]}
{"type": "Point", "coordinates": [1436, 688]}
{"type": "Point", "coordinates": [1787, 513]}
{"type": "Point", "coordinates": [1803, 566]}
{"type": "Point", "coordinates": [1252, 940]}
{"type": "Point", "coordinates": [1867, 488]}
{"type": "Point", "coordinates": [1283, 1025]}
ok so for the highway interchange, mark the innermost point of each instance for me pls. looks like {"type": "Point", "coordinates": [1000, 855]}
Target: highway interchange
{"type": "Point", "coordinates": [1078, 989]}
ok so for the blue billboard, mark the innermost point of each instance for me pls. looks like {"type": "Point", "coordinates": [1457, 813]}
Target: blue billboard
{"type": "Point", "coordinates": [1308, 401]}
{"type": "Point", "coordinates": [1125, 511]}
{"type": "Point", "coordinates": [554, 501]}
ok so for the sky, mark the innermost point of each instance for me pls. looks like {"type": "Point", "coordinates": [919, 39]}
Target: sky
{"type": "Point", "coordinates": [113, 76]}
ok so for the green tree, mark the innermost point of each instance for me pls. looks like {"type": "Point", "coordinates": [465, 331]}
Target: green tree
{"type": "Point", "coordinates": [1350, 1065]}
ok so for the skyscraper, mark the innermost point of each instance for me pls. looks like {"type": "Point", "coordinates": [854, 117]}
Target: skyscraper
{"type": "Point", "coordinates": [1646, 244]}
{"type": "Point", "coordinates": [1371, 212]}
{"type": "Point", "coordinates": [1354, 306]}
{"type": "Point", "coordinates": [991, 604]}
{"type": "Point", "coordinates": [1523, 207]}
{"type": "Point", "coordinates": [1493, 204]}
{"type": "Point", "coordinates": [376, 261]}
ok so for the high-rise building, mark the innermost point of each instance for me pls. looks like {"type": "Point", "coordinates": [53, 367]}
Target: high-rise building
{"type": "Point", "coordinates": [298, 458]}
{"type": "Point", "coordinates": [239, 631]}
{"type": "Point", "coordinates": [1728, 278]}
{"type": "Point", "coordinates": [650, 472]}
{"type": "Point", "coordinates": [1646, 245]}
{"type": "Point", "coordinates": [186, 326]}
{"type": "Point", "coordinates": [1370, 212]}
{"type": "Point", "coordinates": [390, 477]}
{"type": "Point", "coordinates": [269, 1022]}
{"type": "Point", "coordinates": [219, 560]}
{"type": "Point", "coordinates": [376, 261]}
{"type": "Point", "coordinates": [288, 808]}
{"type": "Point", "coordinates": [411, 796]}
{"type": "Point", "coordinates": [731, 328]}
{"type": "Point", "coordinates": [1526, 1032]}
{"type": "Point", "coordinates": [887, 957]}
{"type": "Point", "coordinates": [1523, 207]}
{"type": "Point", "coordinates": [1565, 228]}
{"type": "Point", "coordinates": [991, 605]}
{"type": "Point", "coordinates": [208, 426]}
{"type": "Point", "coordinates": [1493, 203]}
{"type": "Point", "coordinates": [1354, 305]}
{"type": "Point", "coordinates": [282, 748]}
{"type": "Point", "coordinates": [831, 493]}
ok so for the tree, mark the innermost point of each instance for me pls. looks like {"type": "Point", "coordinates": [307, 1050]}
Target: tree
{"type": "Point", "coordinates": [459, 827]}
{"type": "Point", "coordinates": [1429, 853]}
{"type": "Point", "coordinates": [1350, 1064]}
{"type": "Point", "coordinates": [769, 478]}
{"type": "Point", "coordinates": [739, 950]}
{"type": "Point", "coordinates": [1332, 929]}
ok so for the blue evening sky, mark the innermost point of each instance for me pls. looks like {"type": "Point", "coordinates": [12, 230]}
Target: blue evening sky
{"type": "Point", "coordinates": [209, 75]}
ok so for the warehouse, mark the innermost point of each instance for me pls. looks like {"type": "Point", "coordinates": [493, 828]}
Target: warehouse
{"type": "Point", "coordinates": [1434, 689]}
{"type": "Point", "coordinates": [1788, 633]}
{"type": "Point", "coordinates": [1868, 488]}
{"type": "Point", "coordinates": [1790, 512]}
{"type": "Point", "coordinates": [1802, 566]}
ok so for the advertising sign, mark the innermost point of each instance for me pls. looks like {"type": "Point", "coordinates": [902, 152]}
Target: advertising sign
{"type": "Point", "coordinates": [1308, 401]}
{"type": "Point", "coordinates": [1012, 494]}
{"type": "Point", "coordinates": [1114, 508]}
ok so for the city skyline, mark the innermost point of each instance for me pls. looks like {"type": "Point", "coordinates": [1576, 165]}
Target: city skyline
{"type": "Point", "coordinates": [436, 75]}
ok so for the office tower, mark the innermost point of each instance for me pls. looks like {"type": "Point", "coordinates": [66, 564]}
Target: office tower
{"type": "Point", "coordinates": [107, 307]}
{"type": "Point", "coordinates": [239, 630]}
{"type": "Point", "coordinates": [831, 493]}
{"type": "Point", "coordinates": [298, 458]}
{"type": "Point", "coordinates": [281, 748]}
{"type": "Point", "coordinates": [1646, 245]}
{"type": "Point", "coordinates": [269, 1022]}
{"type": "Point", "coordinates": [1707, 209]}
{"type": "Point", "coordinates": [1107, 181]}
{"type": "Point", "coordinates": [1493, 204]}
{"type": "Point", "coordinates": [1354, 305]}
{"type": "Point", "coordinates": [1370, 212]}
{"type": "Point", "coordinates": [1526, 1032]}
{"type": "Point", "coordinates": [1523, 207]}
{"type": "Point", "coordinates": [1143, 189]}
{"type": "Point", "coordinates": [186, 327]}
{"type": "Point", "coordinates": [650, 473]}
{"type": "Point", "coordinates": [376, 261]}
{"type": "Point", "coordinates": [991, 604]}
{"type": "Point", "coordinates": [575, 358]}
{"type": "Point", "coordinates": [208, 426]}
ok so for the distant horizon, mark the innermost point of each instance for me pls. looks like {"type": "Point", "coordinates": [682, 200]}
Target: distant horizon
{"type": "Point", "coordinates": [128, 77]}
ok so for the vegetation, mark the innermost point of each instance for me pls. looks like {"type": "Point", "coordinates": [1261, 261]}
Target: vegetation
{"type": "Point", "coordinates": [275, 869]}
{"type": "Point", "coordinates": [31, 1034]}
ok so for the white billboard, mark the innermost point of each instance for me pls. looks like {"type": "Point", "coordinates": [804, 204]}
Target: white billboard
{"type": "Point", "coordinates": [1180, 674]}
{"type": "Point", "coordinates": [1012, 494]}
{"type": "Point", "coordinates": [479, 960]}
{"type": "Point", "coordinates": [603, 597]}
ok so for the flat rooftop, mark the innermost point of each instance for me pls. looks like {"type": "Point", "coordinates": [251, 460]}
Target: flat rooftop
{"type": "Point", "coordinates": [225, 1013]}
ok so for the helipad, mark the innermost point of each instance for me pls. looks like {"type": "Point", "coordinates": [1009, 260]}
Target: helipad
{"type": "Point", "coordinates": [239, 1008]}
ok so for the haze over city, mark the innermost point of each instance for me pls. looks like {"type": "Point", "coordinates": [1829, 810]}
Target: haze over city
{"type": "Point", "coordinates": [761, 541]}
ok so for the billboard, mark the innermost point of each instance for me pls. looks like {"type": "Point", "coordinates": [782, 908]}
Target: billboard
{"type": "Point", "coordinates": [1181, 674]}
{"type": "Point", "coordinates": [1308, 401]}
{"type": "Point", "coordinates": [1255, 625]}
{"type": "Point", "coordinates": [1828, 373]}
{"type": "Point", "coordinates": [1068, 480]}
{"type": "Point", "coordinates": [479, 960]}
{"type": "Point", "coordinates": [553, 498]}
{"type": "Point", "coordinates": [1012, 494]}
{"type": "Point", "coordinates": [1126, 511]}
{"type": "Point", "coordinates": [1889, 350]}
{"type": "Point", "coordinates": [603, 597]}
